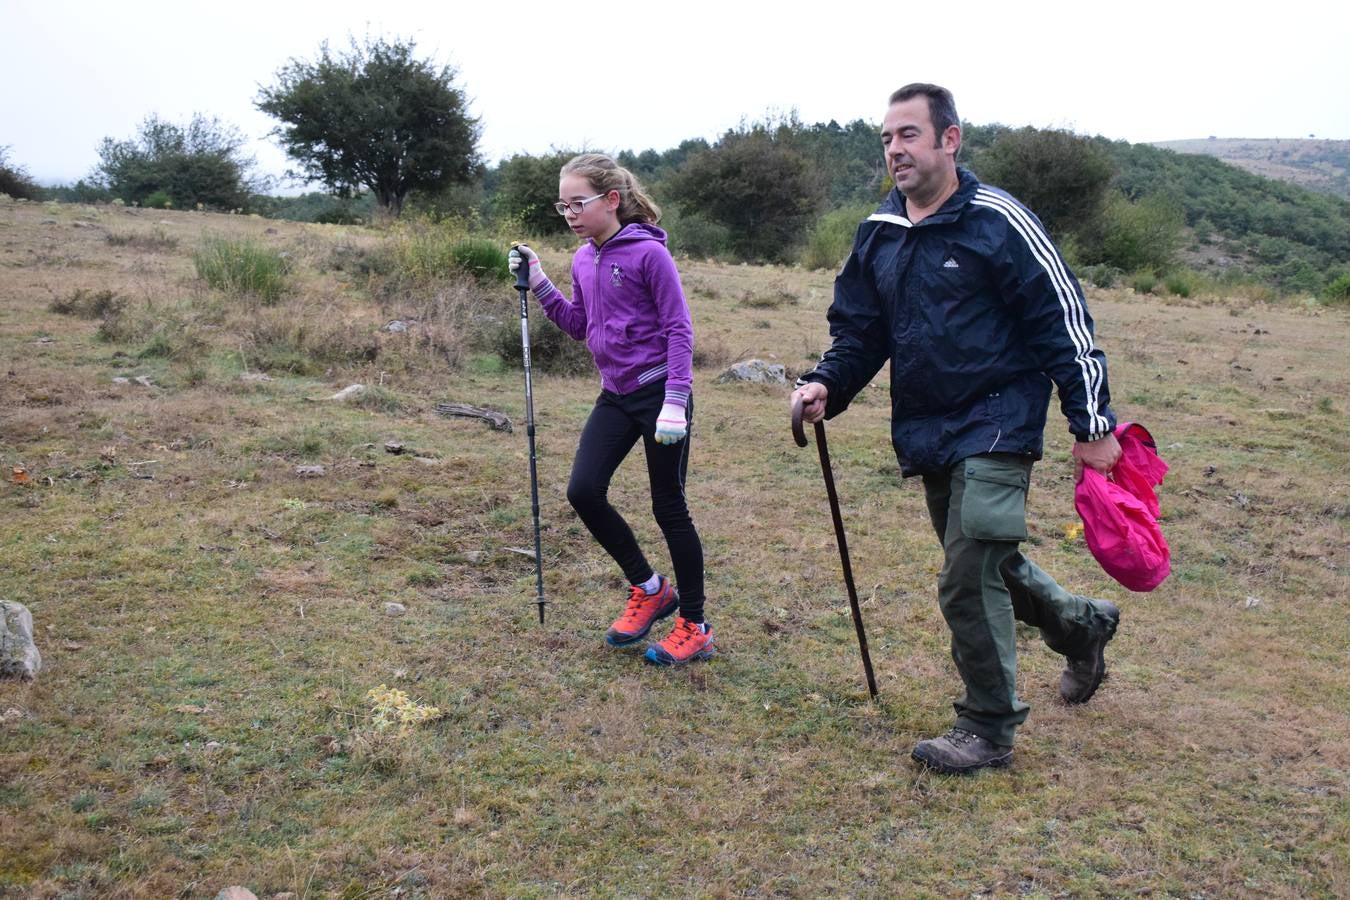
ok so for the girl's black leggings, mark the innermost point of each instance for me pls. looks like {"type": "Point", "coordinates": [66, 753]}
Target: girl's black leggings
{"type": "Point", "coordinates": [614, 426]}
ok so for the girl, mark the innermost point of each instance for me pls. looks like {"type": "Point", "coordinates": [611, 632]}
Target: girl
{"type": "Point", "coordinates": [629, 307]}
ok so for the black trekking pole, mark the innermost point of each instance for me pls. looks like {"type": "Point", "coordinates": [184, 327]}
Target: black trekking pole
{"type": "Point", "coordinates": [799, 435]}
{"type": "Point", "coordinates": [523, 286]}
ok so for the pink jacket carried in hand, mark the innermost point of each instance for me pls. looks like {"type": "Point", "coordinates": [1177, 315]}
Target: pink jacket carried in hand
{"type": "Point", "coordinates": [1120, 513]}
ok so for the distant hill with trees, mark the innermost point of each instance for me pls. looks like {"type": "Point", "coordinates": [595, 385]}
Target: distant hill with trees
{"type": "Point", "coordinates": [1319, 165]}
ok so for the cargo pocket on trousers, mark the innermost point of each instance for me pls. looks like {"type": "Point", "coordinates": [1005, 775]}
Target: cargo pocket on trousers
{"type": "Point", "coordinates": [994, 506]}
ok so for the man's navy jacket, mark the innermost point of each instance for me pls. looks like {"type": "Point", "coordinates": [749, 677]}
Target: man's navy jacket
{"type": "Point", "coordinates": [977, 313]}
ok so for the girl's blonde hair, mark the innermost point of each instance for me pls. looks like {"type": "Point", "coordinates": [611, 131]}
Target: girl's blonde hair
{"type": "Point", "coordinates": [605, 175]}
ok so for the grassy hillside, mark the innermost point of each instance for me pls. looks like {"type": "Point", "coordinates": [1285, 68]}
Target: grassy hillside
{"type": "Point", "coordinates": [1319, 165]}
{"type": "Point", "coordinates": [212, 620]}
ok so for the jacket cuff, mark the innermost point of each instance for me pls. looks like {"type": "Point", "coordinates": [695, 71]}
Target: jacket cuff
{"type": "Point", "coordinates": [677, 397]}
{"type": "Point", "coordinates": [543, 288]}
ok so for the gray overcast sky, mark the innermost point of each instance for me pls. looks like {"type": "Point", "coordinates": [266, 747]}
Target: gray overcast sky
{"type": "Point", "coordinates": [615, 76]}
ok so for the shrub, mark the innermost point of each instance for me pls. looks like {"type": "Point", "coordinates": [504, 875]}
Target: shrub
{"type": "Point", "coordinates": [425, 251]}
{"type": "Point", "coordinates": [121, 325]}
{"type": "Point", "coordinates": [1338, 291]}
{"type": "Point", "coordinates": [201, 162]}
{"type": "Point", "coordinates": [154, 241]}
{"type": "Point", "coordinates": [551, 350]}
{"type": "Point", "coordinates": [482, 258]}
{"type": "Point", "coordinates": [89, 304]}
{"type": "Point", "coordinates": [243, 267]}
{"type": "Point", "coordinates": [15, 180]}
{"type": "Point", "coordinates": [446, 317]}
{"type": "Point", "coordinates": [693, 234]}
{"type": "Point", "coordinates": [1182, 283]}
{"type": "Point", "coordinates": [359, 260]}
{"type": "Point", "coordinates": [1062, 177]}
{"type": "Point", "coordinates": [753, 183]}
{"type": "Point", "coordinates": [1144, 282]}
{"type": "Point", "coordinates": [158, 200]}
{"type": "Point", "coordinates": [774, 295]}
{"type": "Point", "coordinates": [525, 189]}
{"type": "Point", "coordinates": [711, 351]}
{"type": "Point", "coordinates": [830, 240]}
{"type": "Point", "coordinates": [1101, 275]}
{"type": "Point", "coordinates": [1140, 235]}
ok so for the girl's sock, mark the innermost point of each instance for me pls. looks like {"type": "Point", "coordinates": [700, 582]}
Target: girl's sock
{"type": "Point", "coordinates": [651, 585]}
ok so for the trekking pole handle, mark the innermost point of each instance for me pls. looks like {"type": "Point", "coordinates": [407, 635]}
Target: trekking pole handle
{"type": "Point", "coordinates": [522, 270]}
{"type": "Point", "coordinates": [798, 433]}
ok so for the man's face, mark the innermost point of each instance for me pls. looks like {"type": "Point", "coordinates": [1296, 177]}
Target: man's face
{"type": "Point", "coordinates": [920, 162]}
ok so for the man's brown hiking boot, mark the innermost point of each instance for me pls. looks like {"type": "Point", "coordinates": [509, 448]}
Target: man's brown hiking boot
{"type": "Point", "coordinates": [1081, 677]}
{"type": "Point", "coordinates": [959, 752]}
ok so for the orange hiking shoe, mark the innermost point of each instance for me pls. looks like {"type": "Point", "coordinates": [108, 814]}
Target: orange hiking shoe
{"type": "Point", "coordinates": [641, 613]}
{"type": "Point", "coordinates": [685, 643]}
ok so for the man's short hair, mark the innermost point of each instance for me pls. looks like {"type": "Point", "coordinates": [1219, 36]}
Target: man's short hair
{"type": "Point", "coordinates": [941, 106]}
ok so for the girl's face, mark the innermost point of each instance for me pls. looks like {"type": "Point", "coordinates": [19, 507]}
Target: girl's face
{"type": "Point", "coordinates": [599, 216]}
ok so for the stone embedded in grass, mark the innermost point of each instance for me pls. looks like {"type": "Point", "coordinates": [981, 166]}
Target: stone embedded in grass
{"type": "Point", "coordinates": [19, 656]}
{"type": "Point", "coordinates": [394, 610]}
{"type": "Point", "coordinates": [311, 471]}
{"type": "Point", "coordinates": [350, 391]}
{"type": "Point", "coordinates": [754, 371]}
{"type": "Point", "coordinates": [235, 892]}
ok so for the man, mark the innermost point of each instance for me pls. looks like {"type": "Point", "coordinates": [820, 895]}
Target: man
{"type": "Point", "coordinates": [957, 285]}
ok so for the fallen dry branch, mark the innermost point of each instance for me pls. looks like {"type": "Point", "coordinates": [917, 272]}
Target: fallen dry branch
{"type": "Point", "coordinates": [497, 420]}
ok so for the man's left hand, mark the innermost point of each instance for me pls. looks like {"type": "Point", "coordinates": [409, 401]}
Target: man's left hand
{"type": "Point", "coordinates": [1101, 455]}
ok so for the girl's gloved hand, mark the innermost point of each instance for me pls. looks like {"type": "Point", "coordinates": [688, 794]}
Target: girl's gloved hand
{"type": "Point", "coordinates": [521, 253]}
{"type": "Point", "coordinates": [671, 424]}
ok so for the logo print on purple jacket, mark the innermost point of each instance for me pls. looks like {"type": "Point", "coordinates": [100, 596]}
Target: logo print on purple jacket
{"type": "Point", "coordinates": [615, 275]}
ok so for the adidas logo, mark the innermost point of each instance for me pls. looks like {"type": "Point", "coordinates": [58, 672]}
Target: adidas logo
{"type": "Point", "coordinates": [951, 263]}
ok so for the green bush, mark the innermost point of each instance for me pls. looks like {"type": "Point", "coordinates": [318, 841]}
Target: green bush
{"type": "Point", "coordinates": [551, 350]}
{"type": "Point", "coordinates": [1144, 282]}
{"type": "Point", "coordinates": [1139, 235]}
{"type": "Point", "coordinates": [757, 186]}
{"type": "Point", "coordinates": [1102, 275]}
{"type": "Point", "coordinates": [524, 189]}
{"type": "Point", "coordinates": [201, 162]}
{"type": "Point", "coordinates": [830, 240]}
{"type": "Point", "coordinates": [482, 258]}
{"type": "Point", "coordinates": [1062, 177]}
{"type": "Point", "coordinates": [693, 234]}
{"type": "Point", "coordinates": [242, 267]}
{"type": "Point", "coordinates": [1182, 283]}
{"type": "Point", "coordinates": [15, 180]}
{"type": "Point", "coordinates": [424, 250]}
{"type": "Point", "coordinates": [1338, 291]}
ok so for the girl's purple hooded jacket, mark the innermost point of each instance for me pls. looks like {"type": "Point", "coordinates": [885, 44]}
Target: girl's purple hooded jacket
{"type": "Point", "coordinates": [628, 305]}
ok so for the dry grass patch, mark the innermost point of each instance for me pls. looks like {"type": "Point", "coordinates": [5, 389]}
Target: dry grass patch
{"type": "Point", "coordinates": [211, 631]}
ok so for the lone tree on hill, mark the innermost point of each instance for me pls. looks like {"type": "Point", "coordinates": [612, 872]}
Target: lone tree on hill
{"type": "Point", "coordinates": [376, 117]}
{"type": "Point", "coordinates": [168, 164]}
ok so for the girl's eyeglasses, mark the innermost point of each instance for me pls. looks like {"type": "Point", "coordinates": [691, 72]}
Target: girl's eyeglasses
{"type": "Point", "coordinates": [575, 207]}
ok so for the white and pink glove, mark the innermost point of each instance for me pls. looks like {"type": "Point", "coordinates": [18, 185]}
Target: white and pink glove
{"type": "Point", "coordinates": [521, 252]}
{"type": "Point", "coordinates": [672, 424]}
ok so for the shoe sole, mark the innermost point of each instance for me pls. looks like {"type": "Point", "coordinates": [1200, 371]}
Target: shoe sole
{"type": "Point", "coordinates": [656, 658]}
{"type": "Point", "coordinates": [628, 640]}
{"type": "Point", "coordinates": [1099, 664]}
{"type": "Point", "coordinates": [942, 768]}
